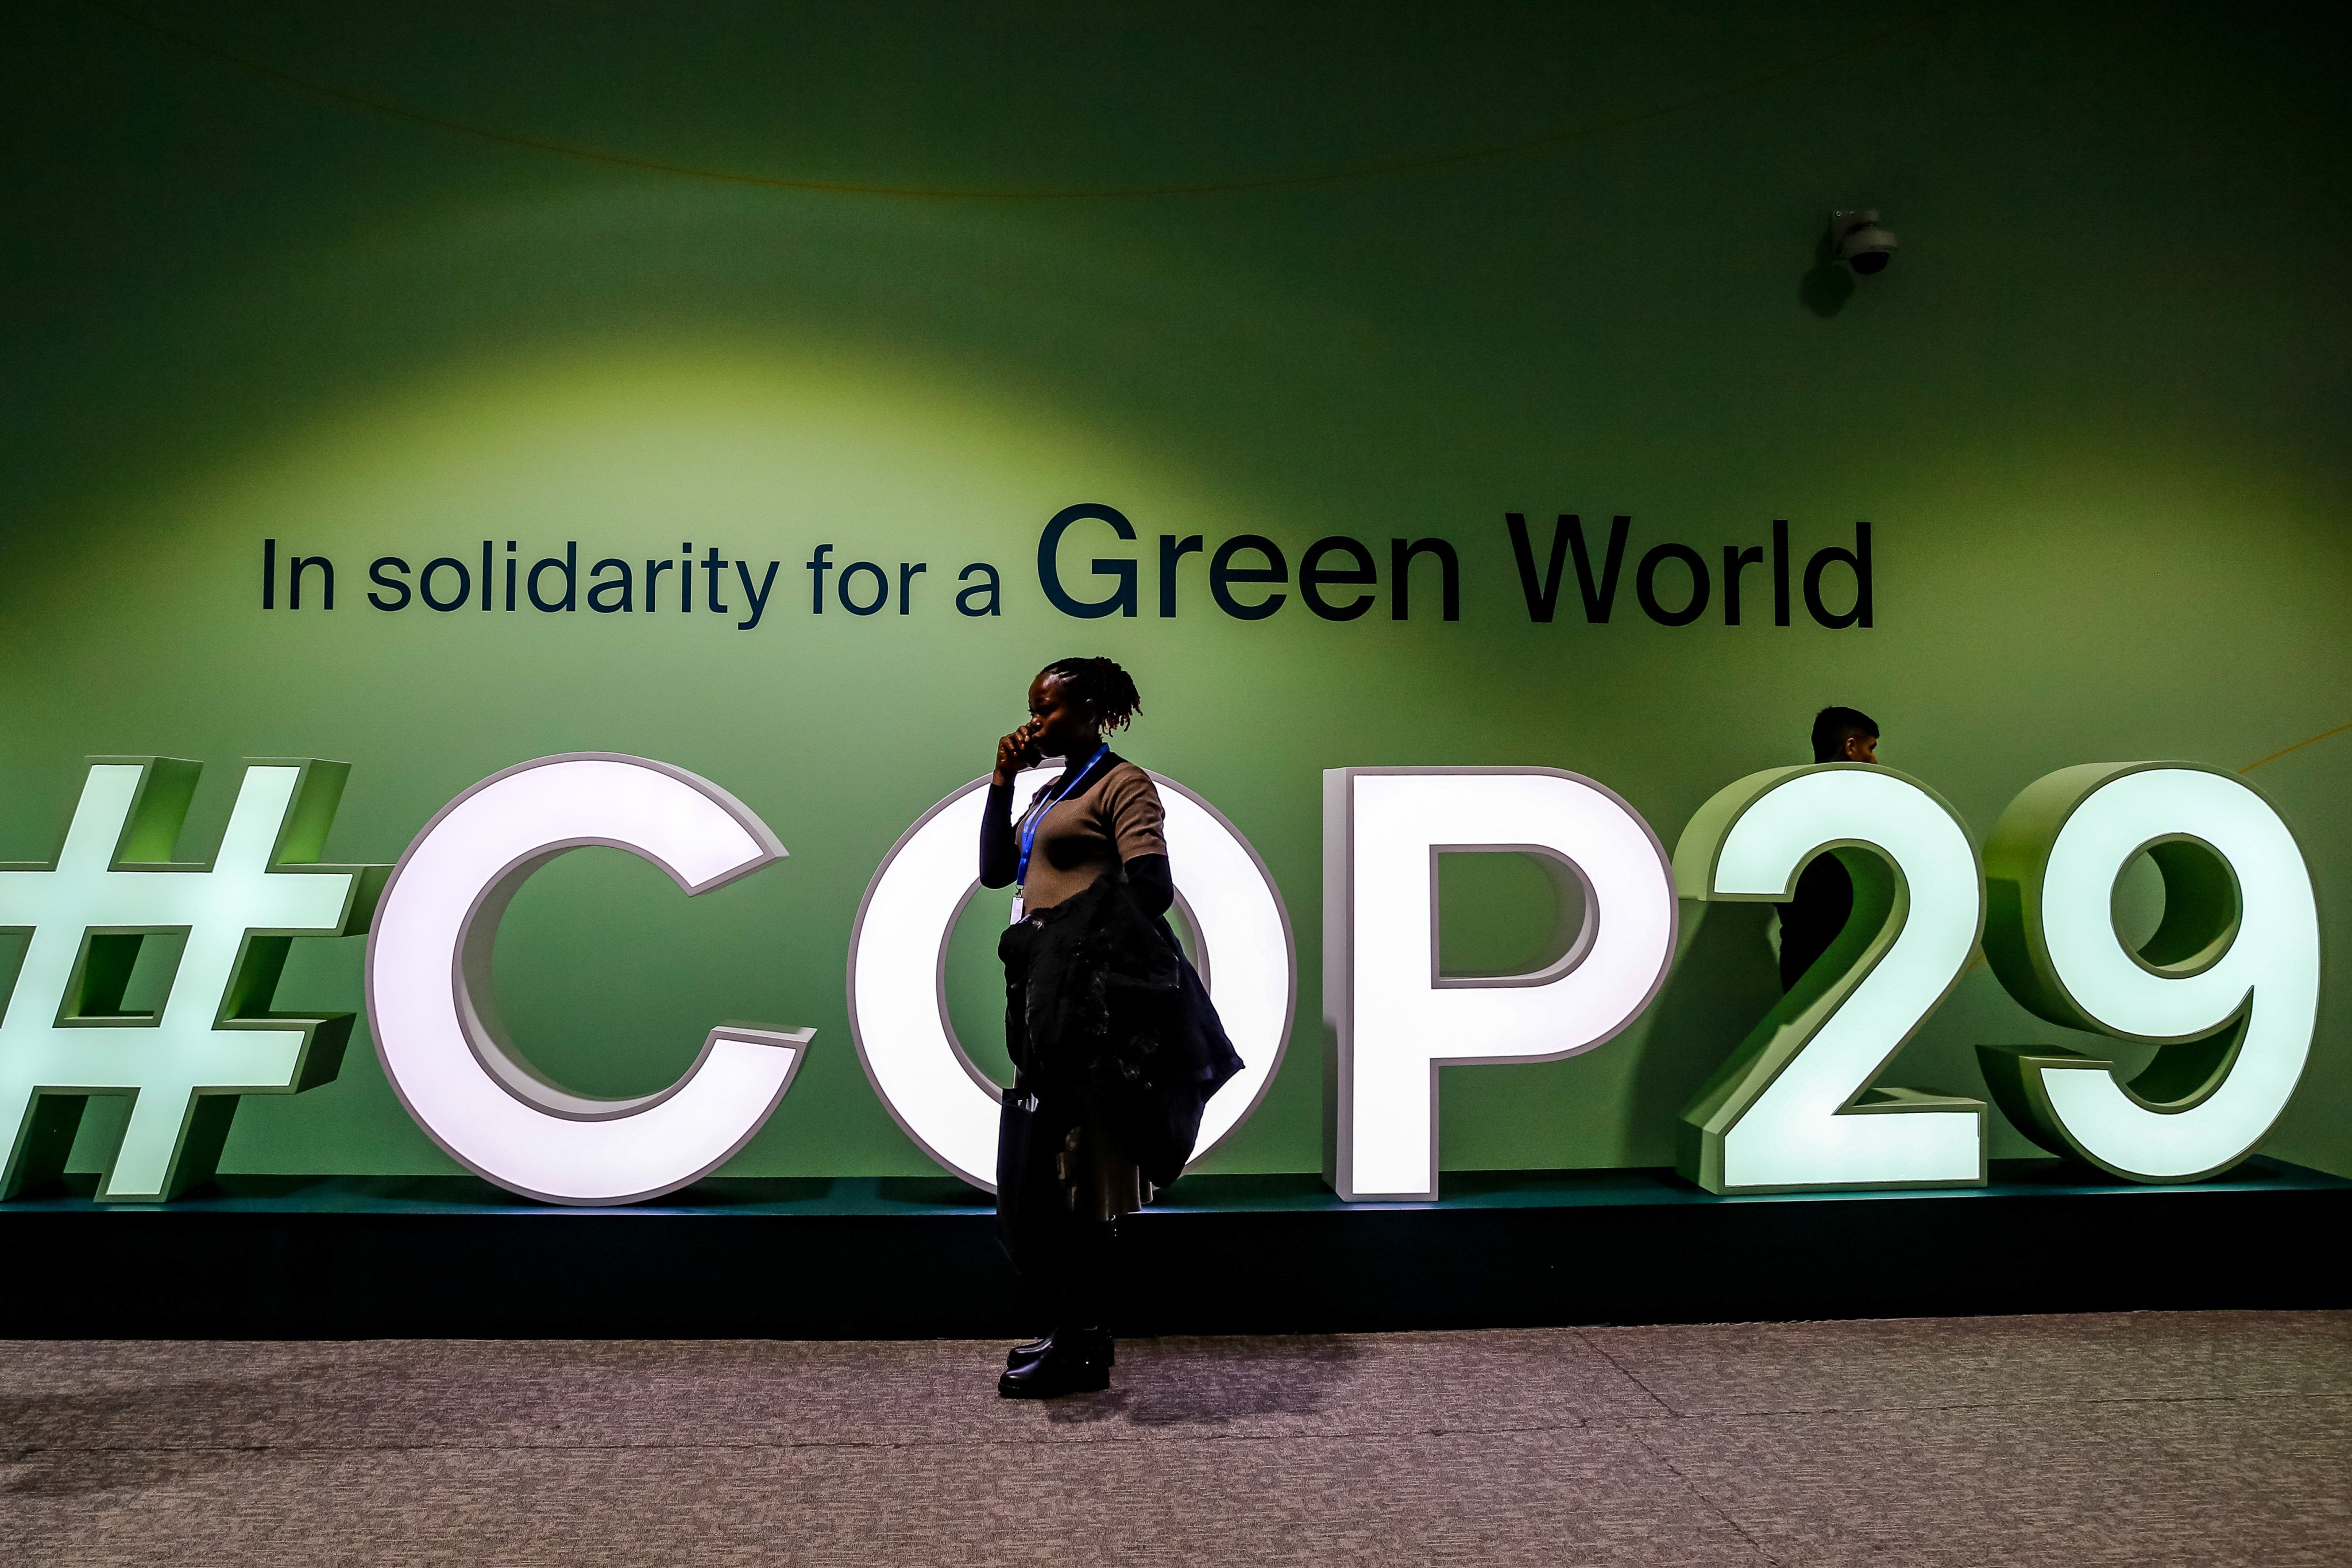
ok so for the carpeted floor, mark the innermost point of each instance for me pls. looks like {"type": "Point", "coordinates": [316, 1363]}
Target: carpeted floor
{"type": "Point", "coordinates": [2201, 1439]}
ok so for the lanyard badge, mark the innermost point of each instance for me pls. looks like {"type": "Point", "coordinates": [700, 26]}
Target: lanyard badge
{"type": "Point", "coordinates": [1035, 818]}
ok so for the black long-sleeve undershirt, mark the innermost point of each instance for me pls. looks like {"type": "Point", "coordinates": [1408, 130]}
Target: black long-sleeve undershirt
{"type": "Point", "coordinates": [1147, 876]}
{"type": "Point", "coordinates": [1153, 883]}
{"type": "Point", "coordinates": [1000, 855]}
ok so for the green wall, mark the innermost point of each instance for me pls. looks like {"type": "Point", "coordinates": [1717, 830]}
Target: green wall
{"type": "Point", "coordinates": [2094, 412]}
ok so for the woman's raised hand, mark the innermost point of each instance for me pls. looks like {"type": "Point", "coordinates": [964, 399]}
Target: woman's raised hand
{"type": "Point", "coordinates": [1016, 752]}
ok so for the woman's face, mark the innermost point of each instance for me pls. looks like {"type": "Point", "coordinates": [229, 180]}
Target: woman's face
{"type": "Point", "coordinates": [1065, 727]}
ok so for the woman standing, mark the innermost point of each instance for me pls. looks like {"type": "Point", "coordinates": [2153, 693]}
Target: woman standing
{"type": "Point", "coordinates": [1114, 1045]}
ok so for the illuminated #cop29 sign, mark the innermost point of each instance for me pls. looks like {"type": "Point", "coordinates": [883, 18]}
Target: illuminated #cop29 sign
{"type": "Point", "coordinates": [2226, 989]}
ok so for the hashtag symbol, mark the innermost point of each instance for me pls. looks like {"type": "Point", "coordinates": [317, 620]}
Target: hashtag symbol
{"type": "Point", "coordinates": [66, 1035]}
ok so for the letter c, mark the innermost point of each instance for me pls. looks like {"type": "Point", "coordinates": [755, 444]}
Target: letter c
{"type": "Point", "coordinates": [434, 1017]}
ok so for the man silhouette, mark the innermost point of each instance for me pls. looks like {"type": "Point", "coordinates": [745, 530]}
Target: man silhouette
{"type": "Point", "coordinates": [1811, 921]}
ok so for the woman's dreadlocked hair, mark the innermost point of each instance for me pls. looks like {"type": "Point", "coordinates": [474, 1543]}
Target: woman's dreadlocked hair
{"type": "Point", "coordinates": [1103, 685]}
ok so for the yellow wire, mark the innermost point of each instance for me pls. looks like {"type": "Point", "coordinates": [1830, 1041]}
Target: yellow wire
{"type": "Point", "coordinates": [2299, 745]}
{"type": "Point", "coordinates": [1374, 169]}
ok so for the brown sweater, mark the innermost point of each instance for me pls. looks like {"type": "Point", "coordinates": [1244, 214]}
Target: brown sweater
{"type": "Point", "coordinates": [1114, 819]}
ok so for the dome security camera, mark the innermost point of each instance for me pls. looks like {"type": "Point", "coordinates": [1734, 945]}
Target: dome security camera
{"type": "Point", "coordinates": [1856, 239]}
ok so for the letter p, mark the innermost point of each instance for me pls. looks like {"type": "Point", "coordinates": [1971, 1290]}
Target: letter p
{"type": "Point", "coordinates": [1393, 1019]}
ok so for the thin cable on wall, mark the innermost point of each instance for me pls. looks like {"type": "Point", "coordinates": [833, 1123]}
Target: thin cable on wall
{"type": "Point", "coordinates": [1372, 169]}
{"type": "Point", "coordinates": [2299, 745]}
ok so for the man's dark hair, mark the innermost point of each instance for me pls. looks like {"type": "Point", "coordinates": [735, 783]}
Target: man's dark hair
{"type": "Point", "coordinates": [1103, 685]}
{"type": "Point", "coordinates": [1832, 725]}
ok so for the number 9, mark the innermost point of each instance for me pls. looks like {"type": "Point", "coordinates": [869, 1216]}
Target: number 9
{"type": "Point", "coordinates": [2228, 987]}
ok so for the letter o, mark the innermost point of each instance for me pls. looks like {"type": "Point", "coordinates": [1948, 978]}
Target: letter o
{"type": "Point", "coordinates": [1645, 585]}
{"type": "Point", "coordinates": [436, 1021]}
{"type": "Point", "coordinates": [881, 588]}
{"type": "Point", "coordinates": [898, 963]}
{"type": "Point", "coordinates": [464, 582]}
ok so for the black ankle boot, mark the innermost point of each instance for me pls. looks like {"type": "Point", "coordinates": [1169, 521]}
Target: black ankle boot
{"type": "Point", "coordinates": [1074, 1361]}
{"type": "Point", "coordinates": [1020, 1356]}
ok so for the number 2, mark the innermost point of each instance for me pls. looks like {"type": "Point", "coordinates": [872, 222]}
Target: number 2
{"type": "Point", "coordinates": [1793, 1108]}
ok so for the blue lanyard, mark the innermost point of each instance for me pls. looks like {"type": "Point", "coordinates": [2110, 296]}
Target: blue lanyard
{"type": "Point", "coordinates": [1030, 824]}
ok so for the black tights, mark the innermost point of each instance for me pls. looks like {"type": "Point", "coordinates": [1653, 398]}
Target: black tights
{"type": "Point", "coordinates": [1076, 1277]}
{"type": "Point", "coordinates": [1070, 1263]}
